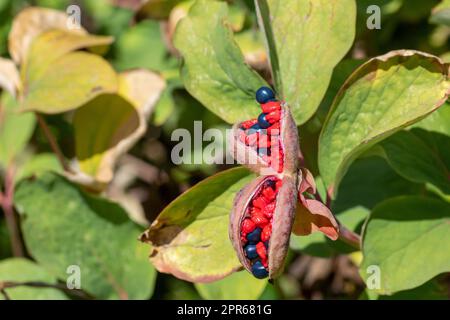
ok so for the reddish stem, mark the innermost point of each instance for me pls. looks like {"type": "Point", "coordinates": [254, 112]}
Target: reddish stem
{"type": "Point", "coordinates": [53, 144]}
{"type": "Point", "coordinates": [7, 204]}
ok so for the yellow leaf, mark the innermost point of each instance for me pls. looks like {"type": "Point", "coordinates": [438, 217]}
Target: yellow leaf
{"type": "Point", "coordinates": [30, 23]}
{"type": "Point", "coordinates": [72, 80]}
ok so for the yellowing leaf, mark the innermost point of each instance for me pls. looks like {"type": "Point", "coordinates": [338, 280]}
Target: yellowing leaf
{"type": "Point", "coordinates": [53, 44]}
{"type": "Point", "coordinates": [108, 126]}
{"type": "Point", "coordinates": [31, 22]}
{"type": "Point", "coordinates": [9, 76]}
{"type": "Point", "coordinates": [68, 83]}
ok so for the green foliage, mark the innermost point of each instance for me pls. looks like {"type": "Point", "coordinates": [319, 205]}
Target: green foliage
{"type": "Point", "coordinates": [20, 270]}
{"type": "Point", "coordinates": [64, 226]}
{"type": "Point", "coordinates": [190, 236]}
{"type": "Point", "coordinates": [404, 237]}
{"type": "Point", "coordinates": [301, 63]}
{"type": "Point", "coordinates": [372, 105]}
{"type": "Point", "coordinates": [214, 71]}
{"type": "Point", "coordinates": [374, 128]}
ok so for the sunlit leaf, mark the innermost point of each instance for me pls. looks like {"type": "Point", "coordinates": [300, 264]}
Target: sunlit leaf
{"type": "Point", "coordinates": [306, 39]}
{"type": "Point", "coordinates": [214, 71]}
{"type": "Point", "coordinates": [190, 237]}
{"type": "Point", "coordinates": [71, 81]}
{"type": "Point", "coordinates": [385, 94]}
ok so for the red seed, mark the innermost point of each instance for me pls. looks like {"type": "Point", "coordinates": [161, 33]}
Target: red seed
{"type": "Point", "coordinates": [269, 194]}
{"type": "Point", "coordinates": [247, 226]}
{"type": "Point", "coordinates": [266, 233]}
{"type": "Point", "coordinates": [261, 250]}
{"type": "Point", "coordinates": [268, 210]}
{"type": "Point", "coordinates": [270, 106]}
{"type": "Point", "coordinates": [260, 202]}
{"type": "Point", "coordinates": [260, 220]}
{"type": "Point", "coordinates": [278, 184]}
{"type": "Point", "coordinates": [247, 124]}
{"type": "Point", "coordinates": [264, 263]}
{"type": "Point", "coordinates": [274, 129]}
{"type": "Point", "coordinates": [273, 116]}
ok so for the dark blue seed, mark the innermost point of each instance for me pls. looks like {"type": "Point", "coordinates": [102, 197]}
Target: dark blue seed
{"type": "Point", "coordinates": [254, 129]}
{"type": "Point", "coordinates": [254, 236]}
{"type": "Point", "coordinates": [250, 251]}
{"type": "Point", "coordinates": [264, 95]}
{"type": "Point", "coordinates": [271, 183]}
{"type": "Point", "coordinates": [259, 271]}
{"type": "Point", "coordinates": [264, 151]}
{"type": "Point", "coordinates": [263, 123]}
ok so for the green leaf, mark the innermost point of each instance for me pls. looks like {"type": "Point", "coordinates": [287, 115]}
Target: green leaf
{"type": "Point", "coordinates": [441, 13]}
{"type": "Point", "coordinates": [88, 75]}
{"type": "Point", "coordinates": [157, 9]}
{"type": "Point", "coordinates": [369, 181]}
{"type": "Point", "coordinates": [420, 156]}
{"type": "Point", "coordinates": [384, 95]}
{"type": "Point", "coordinates": [37, 165]}
{"type": "Point", "coordinates": [142, 46]}
{"type": "Point", "coordinates": [408, 239]}
{"type": "Point", "coordinates": [15, 129]}
{"type": "Point", "coordinates": [214, 71]}
{"type": "Point", "coordinates": [23, 270]}
{"type": "Point", "coordinates": [437, 121]}
{"type": "Point", "coordinates": [64, 226]}
{"type": "Point", "coordinates": [190, 236]}
{"type": "Point", "coordinates": [237, 286]}
{"type": "Point", "coordinates": [306, 39]}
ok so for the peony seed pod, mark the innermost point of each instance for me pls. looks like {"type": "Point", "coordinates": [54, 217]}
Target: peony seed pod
{"type": "Point", "coordinates": [269, 146]}
{"type": "Point", "coordinates": [284, 145]}
{"type": "Point", "coordinates": [277, 241]}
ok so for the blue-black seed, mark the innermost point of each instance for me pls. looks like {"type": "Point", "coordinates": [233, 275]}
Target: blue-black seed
{"type": "Point", "coordinates": [263, 123]}
{"type": "Point", "coordinates": [264, 95]}
{"type": "Point", "coordinates": [259, 271]}
{"type": "Point", "coordinates": [254, 129]}
{"type": "Point", "coordinates": [250, 251]}
{"type": "Point", "coordinates": [254, 236]}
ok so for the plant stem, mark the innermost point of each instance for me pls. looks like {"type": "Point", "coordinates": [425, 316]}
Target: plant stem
{"type": "Point", "coordinates": [7, 204]}
{"type": "Point", "coordinates": [349, 237]}
{"type": "Point", "coordinates": [53, 144]}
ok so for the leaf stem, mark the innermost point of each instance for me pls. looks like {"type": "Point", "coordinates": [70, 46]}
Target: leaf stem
{"type": "Point", "coordinates": [6, 202]}
{"type": "Point", "coordinates": [53, 144]}
{"type": "Point", "coordinates": [349, 237]}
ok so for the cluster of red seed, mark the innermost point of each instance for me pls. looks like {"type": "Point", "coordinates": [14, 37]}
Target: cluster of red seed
{"type": "Point", "coordinates": [263, 134]}
{"type": "Point", "coordinates": [256, 228]}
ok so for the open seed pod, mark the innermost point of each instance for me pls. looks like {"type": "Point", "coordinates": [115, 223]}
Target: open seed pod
{"type": "Point", "coordinates": [261, 223]}
{"type": "Point", "coordinates": [280, 140]}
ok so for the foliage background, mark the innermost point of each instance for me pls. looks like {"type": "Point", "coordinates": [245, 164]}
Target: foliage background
{"type": "Point", "coordinates": [146, 181]}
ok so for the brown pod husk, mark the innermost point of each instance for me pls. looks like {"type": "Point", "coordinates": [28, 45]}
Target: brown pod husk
{"type": "Point", "coordinates": [289, 142]}
{"type": "Point", "coordinates": [283, 218]}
